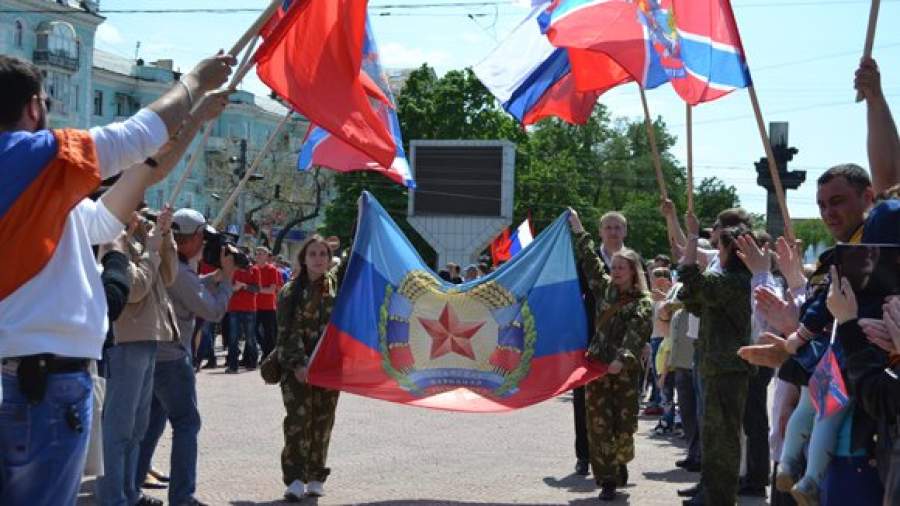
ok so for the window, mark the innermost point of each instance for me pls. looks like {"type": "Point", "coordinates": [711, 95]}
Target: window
{"type": "Point", "coordinates": [121, 104]}
{"type": "Point", "coordinates": [17, 36]}
{"type": "Point", "coordinates": [98, 103]}
{"type": "Point", "coordinates": [59, 88]}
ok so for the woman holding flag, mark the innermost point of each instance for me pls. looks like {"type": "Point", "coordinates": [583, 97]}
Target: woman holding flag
{"type": "Point", "coordinates": [304, 308]}
{"type": "Point", "coordinates": [623, 321]}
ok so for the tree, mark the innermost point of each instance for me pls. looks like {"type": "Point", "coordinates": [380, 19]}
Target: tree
{"type": "Point", "coordinates": [711, 196]}
{"type": "Point", "coordinates": [603, 165]}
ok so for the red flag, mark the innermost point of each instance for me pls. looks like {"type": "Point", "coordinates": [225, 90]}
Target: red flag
{"type": "Point", "coordinates": [312, 60]}
{"type": "Point", "coordinates": [500, 247]}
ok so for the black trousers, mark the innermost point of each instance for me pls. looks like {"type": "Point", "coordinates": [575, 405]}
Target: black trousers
{"type": "Point", "coordinates": [582, 451]}
{"type": "Point", "coordinates": [756, 428]}
{"type": "Point", "coordinates": [266, 331]}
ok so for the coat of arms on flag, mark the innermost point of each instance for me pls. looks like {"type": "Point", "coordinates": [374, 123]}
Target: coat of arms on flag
{"type": "Point", "coordinates": [400, 333]}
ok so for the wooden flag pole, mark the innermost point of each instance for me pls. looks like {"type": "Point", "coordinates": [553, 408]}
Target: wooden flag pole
{"type": "Point", "coordinates": [243, 68]}
{"type": "Point", "coordinates": [773, 167]}
{"type": "Point", "coordinates": [252, 170]}
{"type": "Point", "coordinates": [657, 163]}
{"type": "Point", "coordinates": [690, 158]}
{"type": "Point", "coordinates": [870, 36]}
{"type": "Point", "coordinates": [255, 27]}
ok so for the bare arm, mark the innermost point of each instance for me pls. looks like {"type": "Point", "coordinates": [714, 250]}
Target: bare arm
{"type": "Point", "coordinates": [125, 194]}
{"type": "Point", "coordinates": [676, 236]}
{"type": "Point", "coordinates": [882, 142]}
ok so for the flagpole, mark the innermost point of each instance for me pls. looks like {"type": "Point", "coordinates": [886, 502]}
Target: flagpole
{"type": "Point", "coordinates": [657, 163]}
{"type": "Point", "coordinates": [252, 170]}
{"type": "Point", "coordinates": [690, 158]}
{"type": "Point", "coordinates": [243, 68]}
{"type": "Point", "coordinates": [870, 36]}
{"type": "Point", "coordinates": [773, 168]}
{"type": "Point", "coordinates": [255, 28]}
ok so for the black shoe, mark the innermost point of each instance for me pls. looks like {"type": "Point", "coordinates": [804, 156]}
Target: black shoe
{"type": "Point", "coordinates": [693, 501]}
{"type": "Point", "coordinates": [582, 468]}
{"type": "Point", "coordinates": [752, 491]}
{"type": "Point", "coordinates": [210, 364]}
{"type": "Point", "coordinates": [682, 462]}
{"type": "Point", "coordinates": [689, 465]}
{"type": "Point", "coordinates": [608, 491]}
{"type": "Point", "coordinates": [146, 500]}
{"type": "Point", "coordinates": [623, 475]}
{"type": "Point", "coordinates": [689, 492]}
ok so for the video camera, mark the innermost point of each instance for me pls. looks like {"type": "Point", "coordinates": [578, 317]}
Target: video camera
{"type": "Point", "coordinates": [212, 250]}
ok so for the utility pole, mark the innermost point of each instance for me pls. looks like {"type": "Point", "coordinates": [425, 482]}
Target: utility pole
{"type": "Point", "coordinates": [241, 170]}
{"type": "Point", "coordinates": [791, 180]}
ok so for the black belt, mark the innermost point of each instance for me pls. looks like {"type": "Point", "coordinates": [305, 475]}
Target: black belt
{"type": "Point", "coordinates": [51, 363]}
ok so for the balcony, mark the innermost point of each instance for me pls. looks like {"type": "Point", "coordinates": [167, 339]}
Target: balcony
{"type": "Point", "coordinates": [47, 57]}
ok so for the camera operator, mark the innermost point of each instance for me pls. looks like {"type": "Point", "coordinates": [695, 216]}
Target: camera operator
{"type": "Point", "coordinates": [174, 387]}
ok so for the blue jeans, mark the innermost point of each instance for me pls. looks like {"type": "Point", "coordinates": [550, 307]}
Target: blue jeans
{"type": "Point", "coordinates": [654, 388]}
{"type": "Point", "coordinates": [242, 324]}
{"type": "Point", "coordinates": [42, 455]}
{"type": "Point", "coordinates": [175, 398]}
{"type": "Point", "coordinates": [206, 348]}
{"type": "Point", "coordinates": [126, 412]}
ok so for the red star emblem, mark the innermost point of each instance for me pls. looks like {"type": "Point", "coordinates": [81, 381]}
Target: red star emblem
{"type": "Point", "coordinates": [449, 335]}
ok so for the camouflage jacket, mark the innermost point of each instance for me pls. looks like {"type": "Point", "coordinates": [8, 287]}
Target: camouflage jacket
{"type": "Point", "coordinates": [302, 317]}
{"type": "Point", "coordinates": [722, 301]}
{"type": "Point", "coordinates": [623, 335]}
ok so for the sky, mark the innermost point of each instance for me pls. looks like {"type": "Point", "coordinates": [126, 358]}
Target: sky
{"type": "Point", "coordinates": [802, 55]}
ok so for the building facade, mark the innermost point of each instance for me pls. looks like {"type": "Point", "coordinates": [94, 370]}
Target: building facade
{"type": "Point", "coordinates": [90, 87]}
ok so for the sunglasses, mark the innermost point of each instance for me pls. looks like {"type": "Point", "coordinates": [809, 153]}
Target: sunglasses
{"type": "Point", "coordinates": [661, 274]}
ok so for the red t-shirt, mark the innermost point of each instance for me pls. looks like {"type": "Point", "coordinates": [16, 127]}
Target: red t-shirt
{"type": "Point", "coordinates": [205, 268]}
{"type": "Point", "coordinates": [268, 275]}
{"type": "Point", "coordinates": [244, 300]}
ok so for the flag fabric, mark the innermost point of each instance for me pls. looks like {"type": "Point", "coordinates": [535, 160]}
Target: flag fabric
{"type": "Point", "coordinates": [400, 333]}
{"type": "Point", "coordinates": [500, 247]}
{"type": "Point", "coordinates": [827, 389]}
{"type": "Point", "coordinates": [533, 80]}
{"type": "Point", "coordinates": [312, 59]}
{"type": "Point", "coordinates": [45, 174]}
{"type": "Point", "coordinates": [320, 148]}
{"type": "Point", "coordinates": [506, 245]}
{"type": "Point", "coordinates": [692, 44]}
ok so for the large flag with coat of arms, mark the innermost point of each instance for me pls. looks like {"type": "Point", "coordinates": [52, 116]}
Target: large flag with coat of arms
{"type": "Point", "coordinates": [399, 333]}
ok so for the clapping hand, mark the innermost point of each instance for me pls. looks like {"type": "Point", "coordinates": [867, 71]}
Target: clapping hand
{"type": "Point", "coordinates": [783, 315]}
{"type": "Point", "coordinates": [841, 299]}
{"type": "Point", "coordinates": [758, 260]}
{"type": "Point", "coordinates": [790, 262]}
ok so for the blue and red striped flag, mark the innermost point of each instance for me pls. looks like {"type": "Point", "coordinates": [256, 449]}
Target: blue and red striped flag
{"type": "Point", "coordinates": [43, 175]}
{"type": "Point", "coordinates": [320, 148]}
{"type": "Point", "coordinates": [400, 333]}
{"type": "Point", "coordinates": [692, 44]}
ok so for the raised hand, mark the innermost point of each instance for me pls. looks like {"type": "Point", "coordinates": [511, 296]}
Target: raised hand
{"type": "Point", "coordinates": [692, 224]}
{"type": "Point", "coordinates": [575, 222]}
{"type": "Point", "coordinates": [757, 260]}
{"type": "Point", "coordinates": [211, 106]}
{"type": "Point", "coordinates": [841, 299]}
{"type": "Point", "coordinates": [868, 79]}
{"type": "Point", "coordinates": [790, 262]}
{"type": "Point", "coordinates": [211, 73]}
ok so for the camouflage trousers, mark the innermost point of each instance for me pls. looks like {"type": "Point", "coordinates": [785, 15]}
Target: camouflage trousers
{"type": "Point", "coordinates": [307, 430]}
{"type": "Point", "coordinates": [724, 398]}
{"type": "Point", "coordinates": [612, 419]}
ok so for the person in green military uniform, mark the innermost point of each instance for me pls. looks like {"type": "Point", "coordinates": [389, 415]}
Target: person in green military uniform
{"type": "Point", "coordinates": [623, 321]}
{"type": "Point", "coordinates": [304, 308]}
{"type": "Point", "coordinates": [721, 298]}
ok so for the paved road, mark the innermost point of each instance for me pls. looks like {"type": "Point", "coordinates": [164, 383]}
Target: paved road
{"type": "Point", "coordinates": [382, 453]}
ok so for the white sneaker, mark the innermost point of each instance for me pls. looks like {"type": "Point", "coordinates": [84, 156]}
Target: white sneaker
{"type": "Point", "coordinates": [316, 488]}
{"type": "Point", "coordinates": [295, 491]}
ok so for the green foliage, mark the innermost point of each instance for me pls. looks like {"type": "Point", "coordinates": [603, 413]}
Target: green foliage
{"type": "Point", "coordinates": [603, 165]}
{"type": "Point", "coordinates": [813, 232]}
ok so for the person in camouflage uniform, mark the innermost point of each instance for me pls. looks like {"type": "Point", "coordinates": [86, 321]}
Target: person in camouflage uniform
{"type": "Point", "coordinates": [623, 321]}
{"type": "Point", "coordinates": [304, 308]}
{"type": "Point", "coordinates": [722, 301]}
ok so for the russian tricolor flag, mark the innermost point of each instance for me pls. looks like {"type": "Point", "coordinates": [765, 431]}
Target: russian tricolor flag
{"type": "Point", "coordinates": [533, 80]}
{"type": "Point", "coordinates": [506, 245]}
